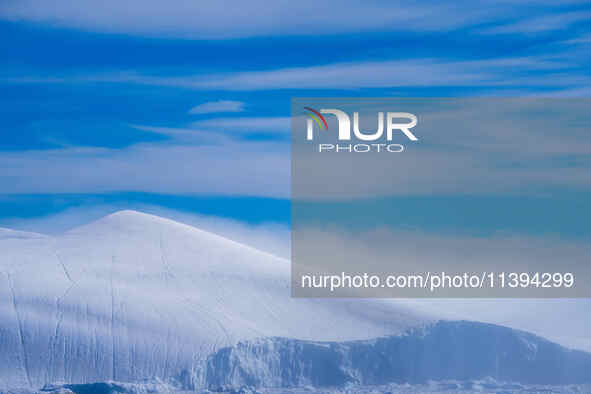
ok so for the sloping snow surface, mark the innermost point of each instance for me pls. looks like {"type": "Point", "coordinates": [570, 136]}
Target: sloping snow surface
{"type": "Point", "coordinates": [135, 296]}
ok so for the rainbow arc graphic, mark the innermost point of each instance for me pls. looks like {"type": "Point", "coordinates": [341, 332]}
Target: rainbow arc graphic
{"type": "Point", "coordinates": [317, 116]}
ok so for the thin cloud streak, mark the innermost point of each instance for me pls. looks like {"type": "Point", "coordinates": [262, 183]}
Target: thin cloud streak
{"type": "Point", "coordinates": [189, 136]}
{"type": "Point", "coordinates": [448, 159]}
{"type": "Point", "coordinates": [230, 19]}
{"type": "Point", "coordinates": [217, 106]}
{"type": "Point", "coordinates": [550, 72]}
{"type": "Point", "coordinates": [245, 125]}
{"type": "Point", "coordinates": [544, 23]}
{"type": "Point", "coordinates": [249, 169]}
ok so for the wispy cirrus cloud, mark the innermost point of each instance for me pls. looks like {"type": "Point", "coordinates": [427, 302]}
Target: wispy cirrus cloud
{"type": "Point", "coordinates": [245, 125]}
{"type": "Point", "coordinates": [542, 23]}
{"type": "Point", "coordinates": [217, 106]}
{"type": "Point", "coordinates": [583, 39]}
{"type": "Point", "coordinates": [390, 73]}
{"type": "Point", "coordinates": [555, 71]}
{"type": "Point", "coordinates": [188, 136]}
{"type": "Point", "coordinates": [523, 151]}
{"type": "Point", "coordinates": [233, 168]}
{"type": "Point", "coordinates": [230, 19]}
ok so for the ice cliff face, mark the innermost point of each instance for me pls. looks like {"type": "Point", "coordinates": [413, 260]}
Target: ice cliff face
{"type": "Point", "coordinates": [135, 296]}
{"type": "Point", "coordinates": [460, 351]}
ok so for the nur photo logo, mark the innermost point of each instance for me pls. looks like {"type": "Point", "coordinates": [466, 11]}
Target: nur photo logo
{"type": "Point", "coordinates": [388, 125]}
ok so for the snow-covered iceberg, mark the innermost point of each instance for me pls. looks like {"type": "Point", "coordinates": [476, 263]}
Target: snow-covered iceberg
{"type": "Point", "coordinates": [135, 296]}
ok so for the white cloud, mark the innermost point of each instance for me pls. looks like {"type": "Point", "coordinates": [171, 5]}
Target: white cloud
{"type": "Point", "coordinates": [470, 146]}
{"type": "Point", "coordinates": [245, 168]}
{"type": "Point", "coordinates": [247, 125]}
{"type": "Point", "coordinates": [520, 151]}
{"type": "Point", "coordinates": [540, 24]}
{"type": "Point", "coordinates": [538, 71]}
{"type": "Point", "coordinates": [524, 71]}
{"type": "Point", "coordinates": [189, 136]}
{"type": "Point", "coordinates": [584, 39]}
{"type": "Point", "coordinates": [217, 106]}
{"type": "Point", "coordinates": [582, 92]}
{"type": "Point", "coordinates": [230, 19]}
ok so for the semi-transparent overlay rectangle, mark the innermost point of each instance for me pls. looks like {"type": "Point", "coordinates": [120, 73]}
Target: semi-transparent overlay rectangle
{"type": "Point", "coordinates": [441, 197]}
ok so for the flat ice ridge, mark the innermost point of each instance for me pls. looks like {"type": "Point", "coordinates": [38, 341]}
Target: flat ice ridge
{"type": "Point", "coordinates": [443, 351]}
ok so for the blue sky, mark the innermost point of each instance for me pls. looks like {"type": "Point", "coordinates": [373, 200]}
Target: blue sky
{"type": "Point", "coordinates": [185, 106]}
